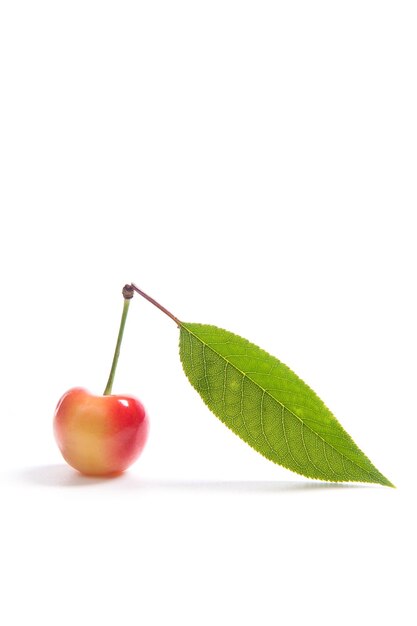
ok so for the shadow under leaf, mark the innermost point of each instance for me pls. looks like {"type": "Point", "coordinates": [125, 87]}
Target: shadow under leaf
{"type": "Point", "coordinates": [64, 476]}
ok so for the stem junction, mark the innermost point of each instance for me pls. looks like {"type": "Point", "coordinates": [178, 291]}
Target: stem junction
{"type": "Point", "coordinates": [128, 293]}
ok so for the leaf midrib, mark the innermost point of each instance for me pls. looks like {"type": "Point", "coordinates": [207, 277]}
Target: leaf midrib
{"type": "Point", "coordinates": [282, 405]}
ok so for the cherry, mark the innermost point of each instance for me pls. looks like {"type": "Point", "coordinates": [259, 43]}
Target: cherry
{"type": "Point", "coordinates": [101, 435]}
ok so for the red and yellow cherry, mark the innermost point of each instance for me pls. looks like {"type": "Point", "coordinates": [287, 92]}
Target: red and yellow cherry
{"type": "Point", "coordinates": [100, 435]}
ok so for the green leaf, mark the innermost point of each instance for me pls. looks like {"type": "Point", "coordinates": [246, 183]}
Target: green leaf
{"type": "Point", "coordinates": [270, 407]}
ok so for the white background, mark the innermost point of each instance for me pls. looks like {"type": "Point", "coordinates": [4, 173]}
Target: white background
{"type": "Point", "coordinates": [250, 165]}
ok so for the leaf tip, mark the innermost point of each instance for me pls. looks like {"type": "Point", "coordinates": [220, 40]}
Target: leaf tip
{"type": "Point", "coordinates": [385, 482]}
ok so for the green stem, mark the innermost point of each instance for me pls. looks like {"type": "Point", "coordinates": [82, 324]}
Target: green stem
{"type": "Point", "coordinates": [109, 385]}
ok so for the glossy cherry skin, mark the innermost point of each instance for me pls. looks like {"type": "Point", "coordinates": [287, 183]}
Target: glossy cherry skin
{"type": "Point", "coordinates": [100, 435]}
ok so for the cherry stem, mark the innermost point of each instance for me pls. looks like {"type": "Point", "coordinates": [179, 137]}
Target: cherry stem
{"type": "Point", "coordinates": [128, 295]}
{"type": "Point", "coordinates": [155, 303]}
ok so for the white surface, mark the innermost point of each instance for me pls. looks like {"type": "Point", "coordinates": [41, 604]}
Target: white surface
{"type": "Point", "coordinates": [251, 165]}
